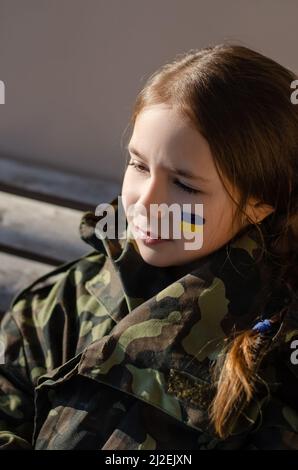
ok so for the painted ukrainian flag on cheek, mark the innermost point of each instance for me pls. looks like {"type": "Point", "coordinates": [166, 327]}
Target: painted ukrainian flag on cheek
{"type": "Point", "coordinates": [191, 222]}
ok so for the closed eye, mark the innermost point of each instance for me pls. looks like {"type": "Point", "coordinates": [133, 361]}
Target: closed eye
{"type": "Point", "coordinates": [180, 185]}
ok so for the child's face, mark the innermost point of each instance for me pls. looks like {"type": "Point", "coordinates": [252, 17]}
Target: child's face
{"type": "Point", "coordinates": [164, 139]}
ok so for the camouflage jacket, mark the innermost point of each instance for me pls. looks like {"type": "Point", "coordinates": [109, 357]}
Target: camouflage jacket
{"type": "Point", "coordinates": [108, 352]}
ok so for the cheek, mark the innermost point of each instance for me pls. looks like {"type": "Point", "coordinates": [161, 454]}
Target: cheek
{"type": "Point", "coordinates": [132, 185]}
{"type": "Point", "coordinates": [128, 191]}
{"type": "Point", "coordinates": [126, 185]}
{"type": "Point", "coordinates": [129, 182]}
{"type": "Point", "coordinates": [219, 217]}
{"type": "Point", "coordinates": [216, 211]}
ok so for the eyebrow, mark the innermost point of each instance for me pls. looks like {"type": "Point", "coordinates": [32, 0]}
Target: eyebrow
{"type": "Point", "coordinates": [178, 171]}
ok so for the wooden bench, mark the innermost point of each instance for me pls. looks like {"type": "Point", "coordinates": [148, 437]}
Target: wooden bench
{"type": "Point", "coordinates": [40, 213]}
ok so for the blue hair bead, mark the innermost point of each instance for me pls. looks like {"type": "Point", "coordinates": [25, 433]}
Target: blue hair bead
{"type": "Point", "coordinates": [262, 326]}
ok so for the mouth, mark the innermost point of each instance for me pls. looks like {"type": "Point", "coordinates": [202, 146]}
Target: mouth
{"type": "Point", "coordinates": [149, 236]}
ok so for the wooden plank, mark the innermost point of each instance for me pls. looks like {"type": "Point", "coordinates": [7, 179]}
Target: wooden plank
{"type": "Point", "coordinates": [16, 274]}
{"type": "Point", "coordinates": [39, 230]}
{"type": "Point", "coordinates": [21, 253]}
{"type": "Point", "coordinates": [57, 187]}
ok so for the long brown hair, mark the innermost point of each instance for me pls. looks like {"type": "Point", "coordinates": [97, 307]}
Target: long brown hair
{"type": "Point", "coordinates": [239, 100]}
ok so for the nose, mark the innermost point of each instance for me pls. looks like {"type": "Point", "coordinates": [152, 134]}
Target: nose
{"type": "Point", "coordinates": [153, 192]}
{"type": "Point", "coordinates": [147, 212]}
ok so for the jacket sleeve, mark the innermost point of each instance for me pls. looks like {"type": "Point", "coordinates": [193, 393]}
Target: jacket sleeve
{"type": "Point", "coordinates": [16, 389]}
{"type": "Point", "coordinates": [43, 328]}
{"type": "Point", "coordinates": [34, 334]}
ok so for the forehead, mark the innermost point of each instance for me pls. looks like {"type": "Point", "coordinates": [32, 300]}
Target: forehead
{"type": "Point", "coordinates": [161, 133]}
{"type": "Point", "coordinates": [166, 125]}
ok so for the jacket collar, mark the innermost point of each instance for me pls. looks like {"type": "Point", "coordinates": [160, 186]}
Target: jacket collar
{"type": "Point", "coordinates": [125, 280]}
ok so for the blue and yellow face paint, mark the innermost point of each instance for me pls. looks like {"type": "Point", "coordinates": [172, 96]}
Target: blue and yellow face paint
{"type": "Point", "coordinates": [191, 222]}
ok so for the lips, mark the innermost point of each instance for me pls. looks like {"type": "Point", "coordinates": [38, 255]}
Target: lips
{"type": "Point", "coordinates": [148, 233]}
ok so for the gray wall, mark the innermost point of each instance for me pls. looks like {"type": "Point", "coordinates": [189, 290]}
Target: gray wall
{"type": "Point", "coordinates": [72, 68]}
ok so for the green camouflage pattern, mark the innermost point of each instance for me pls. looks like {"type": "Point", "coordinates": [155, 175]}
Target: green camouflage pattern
{"type": "Point", "coordinates": [108, 352]}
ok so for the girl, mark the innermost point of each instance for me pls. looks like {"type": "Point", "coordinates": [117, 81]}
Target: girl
{"type": "Point", "coordinates": [142, 344]}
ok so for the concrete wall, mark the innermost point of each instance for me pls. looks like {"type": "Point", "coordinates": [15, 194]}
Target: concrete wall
{"type": "Point", "coordinates": [72, 68]}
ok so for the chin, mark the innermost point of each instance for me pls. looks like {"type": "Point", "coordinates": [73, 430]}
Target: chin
{"type": "Point", "coordinates": [155, 259]}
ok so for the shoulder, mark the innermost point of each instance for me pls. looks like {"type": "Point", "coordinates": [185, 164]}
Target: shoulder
{"type": "Point", "coordinates": [54, 296]}
{"type": "Point", "coordinates": [48, 320]}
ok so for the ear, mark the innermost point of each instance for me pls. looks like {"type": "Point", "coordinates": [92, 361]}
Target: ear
{"type": "Point", "coordinates": [257, 211]}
